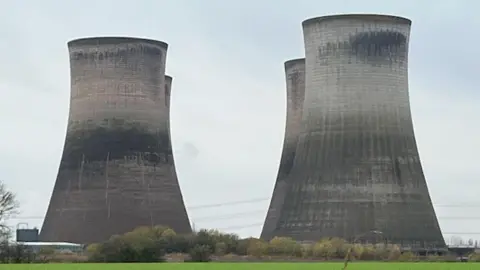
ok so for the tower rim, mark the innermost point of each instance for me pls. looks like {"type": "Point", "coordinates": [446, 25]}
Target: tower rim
{"type": "Point", "coordinates": [292, 61]}
{"type": "Point", "coordinates": [85, 41]}
{"type": "Point", "coordinates": [362, 16]}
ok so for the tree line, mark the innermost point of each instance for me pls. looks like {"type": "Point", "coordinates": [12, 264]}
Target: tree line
{"type": "Point", "coordinates": [147, 244]}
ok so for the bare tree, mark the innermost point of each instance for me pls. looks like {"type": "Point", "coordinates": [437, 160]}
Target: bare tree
{"type": "Point", "coordinates": [8, 207]}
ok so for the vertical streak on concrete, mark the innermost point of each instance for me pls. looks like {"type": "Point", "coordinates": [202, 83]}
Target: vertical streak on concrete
{"type": "Point", "coordinates": [107, 183]}
{"type": "Point", "coordinates": [167, 94]}
{"type": "Point", "coordinates": [168, 91]}
{"type": "Point", "coordinates": [167, 97]}
{"type": "Point", "coordinates": [119, 126]}
{"type": "Point", "coordinates": [295, 84]}
{"type": "Point", "coordinates": [80, 174]}
{"type": "Point", "coordinates": [357, 166]}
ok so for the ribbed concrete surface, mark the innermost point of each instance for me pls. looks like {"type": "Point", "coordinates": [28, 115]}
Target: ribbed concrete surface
{"type": "Point", "coordinates": [117, 171]}
{"type": "Point", "coordinates": [357, 166]}
{"type": "Point", "coordinates": [295, 81]}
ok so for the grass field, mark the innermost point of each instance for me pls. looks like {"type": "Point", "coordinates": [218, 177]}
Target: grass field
{"type": "Point", "coordinates": [247, 266]}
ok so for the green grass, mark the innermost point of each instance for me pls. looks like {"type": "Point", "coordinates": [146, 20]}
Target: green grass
{"type": "Point", "coordinates": [247, 266]}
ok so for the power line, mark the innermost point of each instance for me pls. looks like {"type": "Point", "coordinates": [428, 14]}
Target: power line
{"type": "Point", "coordinates": [206, 206]}
{"type": "Point", "coordinates": [463, 218]}
{"type": "Point", "coordinates": [462, 233]}
{"type": "Point", "coordinates": [229, 216]}
{"type": "Point", "coordinates": [240, 226]}
{"type": "Point", "coordinates": [227, 203]}
{"type": "Point", "coordinates": [457, 205]}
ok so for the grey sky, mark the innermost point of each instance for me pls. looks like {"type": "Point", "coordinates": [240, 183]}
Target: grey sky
{"type": "Point", "coordinates": [228, 107]}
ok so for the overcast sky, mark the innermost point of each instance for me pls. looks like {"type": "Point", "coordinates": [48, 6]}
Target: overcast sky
{"type": "Point", "coordinates": [228, 95]}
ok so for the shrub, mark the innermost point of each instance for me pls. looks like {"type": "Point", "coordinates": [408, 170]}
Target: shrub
{"type": "Point", "coordinates": [322, 249]}
{"type": "Point", "coordinates": [306, 250]}
{"type": "Point", "coordinates": [283, 246]}
{"type": "Point", "coordinates": [242, 247]}
{"type": "Point", "coordinates": [474, 257]}
{"type": "Point", "coordinates": [200, 253]}
{"type": "Point", "coordinates": [205, 239]}
{"type": "Point", "coordinates": [178, 243]}
{"type": "Point", "coordinates": [140, 245]}
{"type": "Point", "coordinates": [407, 257]}
{"type": "Point", "coordinates": [394, 253]}
{"type": "Point", "coordinates": [62, 258]}
{"type": "Point", "coordinates": [257, 247]}
{"type": "Point", "coordinates": [220, 248]}
{"type": "Point", "coordinates": [15, 253]}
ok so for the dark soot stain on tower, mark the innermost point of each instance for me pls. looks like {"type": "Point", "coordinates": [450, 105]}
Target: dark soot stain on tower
{"type": "Point", "coordinates": [357, 166]}
{"type": "Point", "coordinates": [295, 81]}
{"type": "Point", "coordinates": [117, 171]}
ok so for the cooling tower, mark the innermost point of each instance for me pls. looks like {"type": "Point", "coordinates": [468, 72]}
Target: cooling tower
{"type": "Point", "coordinates": [117, 171]}
{"type": "Point", "coordinates": [357, 166]}
{"type": "Point", "coordinates": [295, 81]}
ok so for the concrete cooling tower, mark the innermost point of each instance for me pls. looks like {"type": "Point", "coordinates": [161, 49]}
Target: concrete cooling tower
{"type": "Point", "coordinates": [357, 167]}
{"type": "Point", "coordinates": [295, 81]}
{"type": "Point", "coordinates": [117, 171]}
